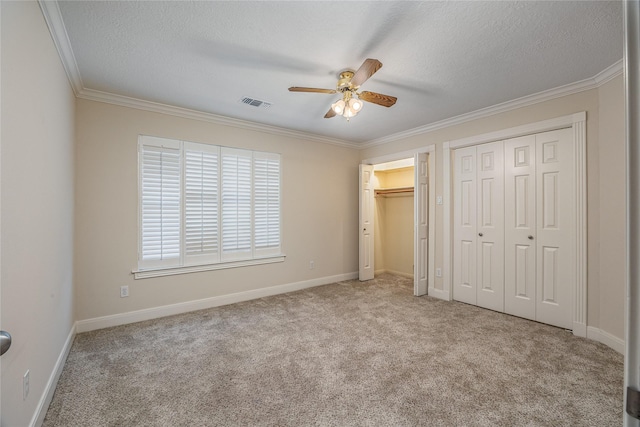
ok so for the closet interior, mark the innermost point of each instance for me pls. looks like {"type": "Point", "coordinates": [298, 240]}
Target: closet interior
{"type": "Point", "coordinates": [394, 217]}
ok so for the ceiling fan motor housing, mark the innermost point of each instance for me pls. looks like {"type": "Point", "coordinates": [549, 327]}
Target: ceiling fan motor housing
{"type": "Point", "coordinates": [344, 81]}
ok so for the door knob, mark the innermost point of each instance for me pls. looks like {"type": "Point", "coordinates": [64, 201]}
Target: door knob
{"type": "Point", "coordinates": [5, 342]}
{"type": "Point", "coordinates": [530, 237]}
{"type": "Point", "coordinates": [480, 234]}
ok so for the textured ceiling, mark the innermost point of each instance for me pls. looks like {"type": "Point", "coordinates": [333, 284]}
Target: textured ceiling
{"type": "Point", "coordinates": [441, 59]}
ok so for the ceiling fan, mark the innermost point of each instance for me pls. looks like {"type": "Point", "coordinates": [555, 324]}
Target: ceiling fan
{"type": "Point", "coordinates": [348, 84]}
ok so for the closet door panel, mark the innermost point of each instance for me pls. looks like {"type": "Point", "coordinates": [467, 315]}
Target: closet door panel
{"type": "Point", "coordinates": [520, 227]}
{"type": "Point", "coordinates": [464, 234]}
{"type": "Point", "coordinates": [555, 247]}
{"type": "Point", "coordinates": [421, 221]}
{"type": "Point", "coordinates": [490, 226]}
{"type": "Point", "coordinates": [366, 237]}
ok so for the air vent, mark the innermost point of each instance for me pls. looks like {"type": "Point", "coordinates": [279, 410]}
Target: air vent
{"type": "Point", "coordinates": [255, 102]}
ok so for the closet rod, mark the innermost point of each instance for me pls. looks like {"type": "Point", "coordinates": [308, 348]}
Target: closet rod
{"type": "Point", "coordinates": [383, 191]}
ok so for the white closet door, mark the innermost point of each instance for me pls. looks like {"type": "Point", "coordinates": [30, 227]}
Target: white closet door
{"type": "Point", "coordinates": [421, 209]}
{"type": "Point", "coordinates": [555, 249]}
{"type": "Point", "coordinates": [464, 229]}
{"type": "Point", "coordinates": [366, 267]}
{"type": "Point", "coordinates": [520, 227]}
{"type": "Point", "coordinates": [490, 226]}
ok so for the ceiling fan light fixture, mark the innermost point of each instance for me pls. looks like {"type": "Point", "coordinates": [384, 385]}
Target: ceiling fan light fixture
{"type": "Point", "coordinates": [349, 112]}
{"type": "Point", "coordinates": [338, 107]}
{"type": "Point", "coordinates": [348, 84]}
{"type": "Point", "coordinates": [355, 104]}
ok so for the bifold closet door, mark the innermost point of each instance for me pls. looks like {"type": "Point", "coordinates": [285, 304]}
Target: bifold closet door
{"type": "Point", "coordinates": [464, 229]}
{"type": "Point", "coordinates": [520, 227]}
{"type": "Point", "coordinates": [555, 204]}
{"type": "Point", "coordinates": [366, 236]}
{"type": "Point", "coordinates": [478, 226]}
{"type": "Point", "coordinates": [490, 226]}
{"type": "Point", "coordinates": [539, 207]}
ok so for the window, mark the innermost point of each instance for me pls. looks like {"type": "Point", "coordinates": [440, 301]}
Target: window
{"type": "Point", "coordinates": [205, 205]}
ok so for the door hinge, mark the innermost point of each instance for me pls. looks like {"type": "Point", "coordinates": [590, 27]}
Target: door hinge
{"type": "Point", "coordinates": [633, 403]}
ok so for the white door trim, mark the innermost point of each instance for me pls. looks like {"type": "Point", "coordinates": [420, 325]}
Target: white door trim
{"type": "Point", "coordinates": [431, 158]}
{"type": "Point", "coordinates": [632, 104]}
{"type": "Point", "coordinates": [0, 199]}
{"type": "Point", "coordinates": [575, 121]}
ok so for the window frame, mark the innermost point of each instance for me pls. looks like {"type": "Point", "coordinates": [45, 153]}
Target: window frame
{"type": "Point", "coordinates": [220, 260]}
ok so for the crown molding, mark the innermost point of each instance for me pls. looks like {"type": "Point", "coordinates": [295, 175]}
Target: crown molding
{"type": "Point", "coordinates": [609, 73]}
{"type": "Point", "coordinates": [156, 107]}
{"type": "Point", "coordinates": [55, 23]}
{"type": "Point", "coordinates": [53, 18]}
{"type": "Point", "coordinates": [592, 83]}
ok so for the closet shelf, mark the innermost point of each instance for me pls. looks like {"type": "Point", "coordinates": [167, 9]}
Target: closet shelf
{"type": "Point", "coordinates": [383, 192]}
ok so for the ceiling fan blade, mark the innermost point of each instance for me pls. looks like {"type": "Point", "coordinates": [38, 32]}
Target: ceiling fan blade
{"type": "Point", "coordinates": [378, 98]}
{"type": "Point", "coordinates": [310, 89]}
{"type": "Point", "coordinates": [330, 113]}
{"type": "Point", "coordinates": [366, 70]}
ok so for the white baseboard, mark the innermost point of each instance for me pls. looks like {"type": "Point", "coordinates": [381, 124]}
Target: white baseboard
{"type": "Point", "coordinates": [439, 293]}
{"type": "Point", "coordinates": [184, 307]}
{"type": "Point", "coordinates": [580, 329]}
{"type": "Point", "coordinates": [50, 388]}
{"type": "Point", "coordinates": [606, 338]}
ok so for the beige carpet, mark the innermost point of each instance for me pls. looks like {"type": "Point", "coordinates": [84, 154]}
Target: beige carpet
{"type": "Point", "coordinates": [346, 354]}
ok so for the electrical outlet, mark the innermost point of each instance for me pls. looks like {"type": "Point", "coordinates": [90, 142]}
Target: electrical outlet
{"type": "Point", "coordinates": [124, 291]}
{"type": "Point", "coordinates": [25, 385]}
{"type": "Point", "coordinates": [312, 265]}
{"type": "Point", "coordinates": [438, 272]}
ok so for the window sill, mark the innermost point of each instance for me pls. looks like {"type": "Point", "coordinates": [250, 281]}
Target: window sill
{"type": "Point", "coordinates": [159, 272]}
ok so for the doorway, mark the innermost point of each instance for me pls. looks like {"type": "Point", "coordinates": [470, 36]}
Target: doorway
{"type": "Point", "coordinates": [576, 125]}
{"type": "Point", "coordinates": [514, 226]}
{"type": "Point", "coordinates": [397, 215]}
{"type": "Point", "coordinates": [393, 217]}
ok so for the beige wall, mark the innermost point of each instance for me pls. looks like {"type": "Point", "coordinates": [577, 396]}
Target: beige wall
{"type": "Point", "coordinates": [613, 234]}
{"type": "Point", "coordinates": [319, 211]}
{"type": "Point", "coordinates": [610, 306]}
{"type": "Point", "coordinates": [37, 175]}
{"type": "Point", "coordinates": [397, 240]}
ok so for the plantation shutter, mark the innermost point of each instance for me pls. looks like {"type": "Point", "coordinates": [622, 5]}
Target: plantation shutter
{"type": "Point", "coordinates": [160, 202]}
{"type": "Point", "coordinates": [202, 204]}
{"type": "Point", "coordinates": [236, 204]}
{"type": "Point", "coordinates": [266, 199]}
{"type": "Point", "coordinates": [201, 177]}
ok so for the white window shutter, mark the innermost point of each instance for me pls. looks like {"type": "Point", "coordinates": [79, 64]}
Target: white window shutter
{"type": "Point", "coordinates": [160, 202]}
{"type": "Point", "coordinates": [236, 204]}
{"type": "Point", "coordinates": [203, 204]}
{"type": "Point", "coordinates": [201, 207]}
{"type": "Point", "coordinates": [266, 197]}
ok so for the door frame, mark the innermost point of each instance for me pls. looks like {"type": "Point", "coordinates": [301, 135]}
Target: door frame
{"type": "Point", "coordinates": [632, 104]}
{"type": "Point", "coordinates": [430, 150]}
{"type": "Point", "coordinates": [577, 122]}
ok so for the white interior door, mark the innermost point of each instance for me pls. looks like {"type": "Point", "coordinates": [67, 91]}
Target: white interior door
{"type": "Point", "coordinates": [464, 228]}
{"type": "Point", "coordinates": [421, 222]}
{"type": "Point", "coordinates": [365, 241]}
{"type": "Point", "coordinates": [554, 244]}
{"type": "Point", "coordinates": [490, 225]}
{"type": "Point", "coordinates": [520, 227]}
